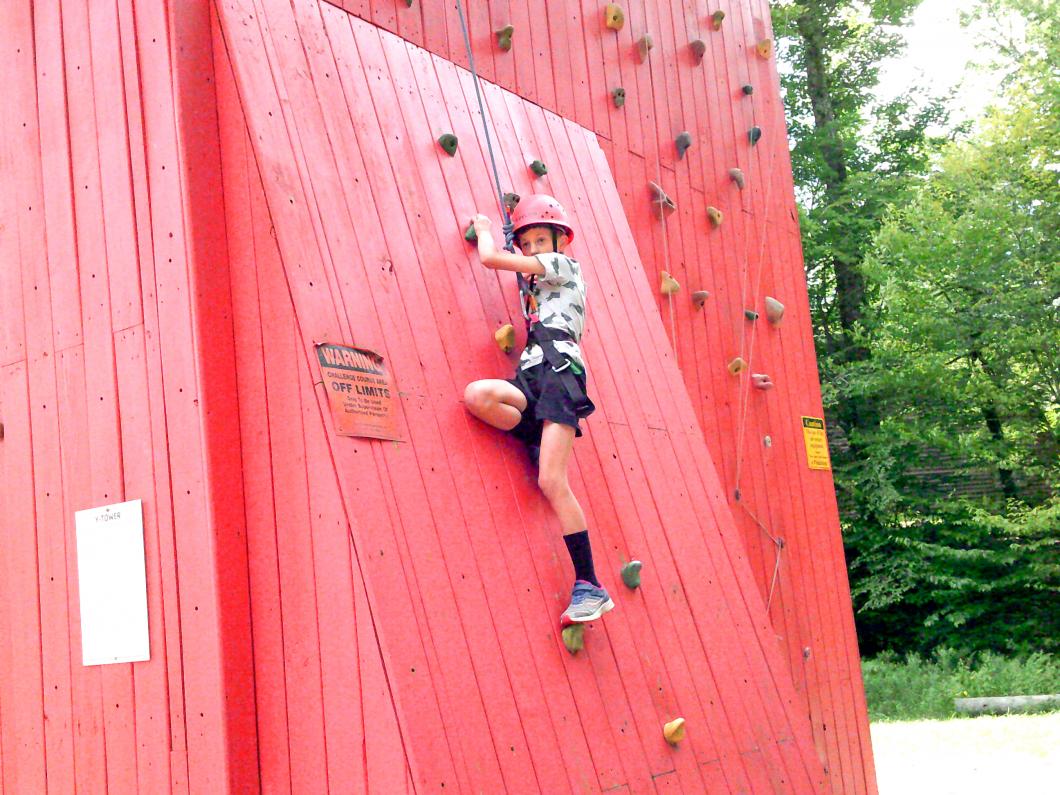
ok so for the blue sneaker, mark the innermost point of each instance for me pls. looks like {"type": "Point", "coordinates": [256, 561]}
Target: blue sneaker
{"type": "Point", "coordinates": [587, 603]}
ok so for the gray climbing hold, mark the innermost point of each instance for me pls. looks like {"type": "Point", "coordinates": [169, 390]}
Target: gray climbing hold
{"type": "Point", "coordinates": [510, 200]}
{"type": "Point", "coordinates": [644, 45]}
{"type": "Point", "coordinates": [683, 141]}
{"type": "Point", "coordinates": [631, 573]}
{"type": "Point", "coordinates": [661, 203]}
{"type": "Point", "coordinates": [699, 297]}
{"type": "Point", "coordinates": [736, 175]}
{"type": "Point", "coordinates": [539, 168]}
{"type": "Point", "coordinates": [448, 142]}
{"type": "Point", "coordinates": [699, 49]}
{"type": "Point", "coordinates": [774, 310]}
{"type": "Point", "coordinates": [754, 135]}
{"type": "Point", "coordinates": [618, 96]}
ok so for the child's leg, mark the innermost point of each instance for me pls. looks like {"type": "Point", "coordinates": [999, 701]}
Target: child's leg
{"type": "Point", "coordinates": [557, 440]}
{"type": "Point", "coordinates": [496, 402]}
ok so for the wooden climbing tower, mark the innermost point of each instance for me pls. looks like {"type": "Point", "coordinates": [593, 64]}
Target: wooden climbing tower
{"type": "Point", "coordinates": [196, 196]}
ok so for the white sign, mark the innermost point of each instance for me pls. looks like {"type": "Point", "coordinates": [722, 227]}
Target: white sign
{"type": "Point", "coordinates": [112, 581]}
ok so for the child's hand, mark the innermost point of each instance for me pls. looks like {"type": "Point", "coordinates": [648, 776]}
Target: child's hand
{"type": "Point", "coordinates": [481, 223]}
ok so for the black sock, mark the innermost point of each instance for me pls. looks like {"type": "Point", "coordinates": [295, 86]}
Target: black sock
{"type": "Point", "coordinates": [581, 555]}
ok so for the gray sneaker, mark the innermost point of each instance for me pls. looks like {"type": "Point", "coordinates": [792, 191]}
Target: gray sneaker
{"type": "Point", "coordinates": [587, 603]}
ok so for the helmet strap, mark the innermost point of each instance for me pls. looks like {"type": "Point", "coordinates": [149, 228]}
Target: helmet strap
{"type": "Point", "coordinates": [555, 239]}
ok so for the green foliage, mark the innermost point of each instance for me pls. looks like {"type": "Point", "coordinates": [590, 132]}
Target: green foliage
{"type": "Point", "coordinates": [917, 688]}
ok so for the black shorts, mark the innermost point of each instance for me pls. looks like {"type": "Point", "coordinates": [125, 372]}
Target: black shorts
{"type": "Point", "coordinates": [547, 399]}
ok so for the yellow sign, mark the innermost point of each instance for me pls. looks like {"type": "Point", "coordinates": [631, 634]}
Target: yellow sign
{"type": "Point", "coordinates": [816, 443]}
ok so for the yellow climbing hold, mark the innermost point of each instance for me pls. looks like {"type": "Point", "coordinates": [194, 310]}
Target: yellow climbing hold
{"type": "Point", "coordinates": [737, 366]}
{"type": "Point", "coordinates": [505, 337]}
{"type": "Point", "coordinates": [674, 731]}
{"type": "Point", "coordinates": [774, 311]}
{"type": "Point", "coordinates": [614, 16]}
{"type": "Point", "coordinates": [717, 18]}
{"type": "Point", "coordinates": [661, 203]}
{"type": "Point", "coordinates": [736, 175]}
{"type": "Point", "coordinates": [670, 285]}
{"type": "Point", "coordinates": [764, 48]}
{"type": "Point", "coordinates": [574, 638]}
{"type": "Point", "coordinates": [699, 297]}
{"type": "Point", "coordinates": [715, 215]}
{"type": "Point", "coordinates": [504, 37]}
{"type": "Point", "coordinates": [644, 45]}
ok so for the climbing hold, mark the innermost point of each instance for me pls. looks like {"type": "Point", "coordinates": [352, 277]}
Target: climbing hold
{"type": "Point", "coordinates": [761, 381]}
{"type": "Point", "coordinates": [618, 96]}
{"type": "Point", "coordinates": [631, 573]}
{"type": "Point", "coordinates": [684, 140]}
{"type": "Point", "coordinates": [674, 731]}
{"type": "Point", "coordinates": [471, 236]}
{"type": "Point", "coordinates": [539, 168]}
{"type": "Point", "coordinates": [448, 143]}
{"type": "Point", "coordinates": [510, 200]}
{"type": "Point", "coordinates": [754, 135]}
{"type": "Point", "coordinates": [699, 49]}
{"type": "Point", "coordinates": [737, 366]}
{"type": "Point", "coordinates": [574, 638]}
{"type": "Point", "coordinates": [699, 297]}
{"type": "Point", "coordinates": [670, 285]}
{"type": "Point", "coordinates": [715, 215]}
{"type": "Point", "coordinates": [750, 314]}
{"type": "Point", "coordinates": [774, 311]}
{"type": "Point", "coordinates": [767, 440]}
{"type": "Point", "coordinates": [748, 89]}
{"type": "Point", "coordinates": [764, 48]}
{"type": "Point", "coordinates": [408, 3]}
{"type": "Point", "coordinates": [717, 18]}
{"type": "Point", "coordinates": [505, 337]}
{"type": "Point", "coordinates": [661, 203]}
{"type": "Point", "coordinates": [504, 37]}
{"type": "Point", "coordinates": [644, 45]}
{"type": "Point", "coordinates": [614, 16]}
{"type": "Point", "coordinates": [737, 176]}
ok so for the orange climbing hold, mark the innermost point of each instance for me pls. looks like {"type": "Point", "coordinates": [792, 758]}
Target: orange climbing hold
{"type": "Point", "coordinates": [764, 48]}
{"type": "Point", "coordinates": [505, 337]}
{"type": "Point", "coordinates": [614, 16]}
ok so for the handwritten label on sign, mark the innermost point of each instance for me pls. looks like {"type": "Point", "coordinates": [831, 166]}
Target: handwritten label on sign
{"type": "Point", "coordinates": [360, 391]}
{"type": "Point", "coordinates": [816, 443]}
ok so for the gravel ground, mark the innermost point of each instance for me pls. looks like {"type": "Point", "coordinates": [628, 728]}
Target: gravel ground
{"type": "Point", "coordinates": [1006, 755]}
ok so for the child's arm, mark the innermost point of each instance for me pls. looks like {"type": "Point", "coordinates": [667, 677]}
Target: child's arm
{"type": "Point", "coordinates": [498, 259]}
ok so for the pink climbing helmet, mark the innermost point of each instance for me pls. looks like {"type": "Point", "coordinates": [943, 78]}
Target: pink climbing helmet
{"type": "Point", "coordinates": [541, 210]}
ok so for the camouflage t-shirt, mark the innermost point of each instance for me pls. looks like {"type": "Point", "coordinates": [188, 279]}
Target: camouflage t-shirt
{"type": "Point", "coordinates": [560, 294]}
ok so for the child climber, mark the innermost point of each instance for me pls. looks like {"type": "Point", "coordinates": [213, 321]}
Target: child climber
{"type": "Point", "coordinates": [542, 404]}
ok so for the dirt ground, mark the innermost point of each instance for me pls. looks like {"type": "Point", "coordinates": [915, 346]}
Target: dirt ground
{"type": "Point", "coordinates": [1006, 755]}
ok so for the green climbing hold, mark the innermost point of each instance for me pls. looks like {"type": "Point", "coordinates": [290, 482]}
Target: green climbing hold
{"type": "Point", "coordinates": [748, 89]}
{"type": "Point", "coordinates": [539, 168]}
{"type": "Point", "coordinates": [448, 143]}
{"type": "Point", "coordinates": [574, 638]}
{"type": "Point", "coordinates": [699, 49]}
{"type": "Point", "coordinates": [717, 18]}
{"type": "Point", "coordinates": [754, 135]}
{"type": "Point", "coordinates": [750, 314]}
{"type": "Point", "coordinates": [408, 3]}
{"type": "Point", "coordinates": [618, 96]}
{"type": "Point", "coordinates": [504, 37]}
{"type": "Point", "coordinates": [471, 236]}
{"type": "Point", "coordinates": [631, 573]}
{"type": "Point", "coordinates": [683, 141]}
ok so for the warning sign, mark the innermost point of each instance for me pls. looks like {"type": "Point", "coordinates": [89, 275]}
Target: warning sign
{"type": "Point", "coordinates": [360, 391]}
{"type": "Point", "coordinates": [816, 443]}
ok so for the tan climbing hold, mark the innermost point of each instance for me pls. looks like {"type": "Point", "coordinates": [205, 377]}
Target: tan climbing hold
{"type": "Point", "coordinates": [699, 49]}
{"type": "Point", "coordinates": [574, 638]}
{"type": "Point", "coordinates": [644, 45]}
{"type": "Point", "coordinates": [717, 18]}
{"type": "Point", "coordinates": [774, 311]}
{"type": "Point", "coordinates": [661, 203]}
{"type": "Point", "coordinates": [614, 16]}
{"type": "Point", "coordinates": [736, 175]}
{"type": "Point", "coordinates": [699, 297]}
{"type": "Point", "coordinates": [505, 337]}
{"type": "Point", "coordinates": [670, 285]}
{"type": "Point", "coordinates": [761, 381]}
{"type": "Point", "coordinates": [504, 37]}
{"type": "Point", "coordinates": [764, 48]}
{"type": "Point", "coordinates": [674, 731]}
{"type": "Point", "coordinates": [716, 216]}
{"type": "Point", "coordinates": [737, 366]}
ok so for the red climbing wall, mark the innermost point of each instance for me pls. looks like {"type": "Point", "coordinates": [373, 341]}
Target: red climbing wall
{"type": "Point", "coordinates": [316, 604]}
